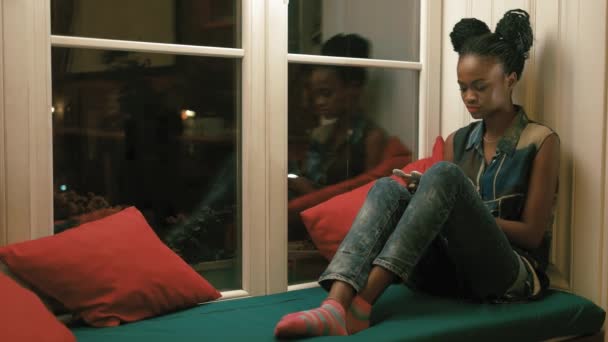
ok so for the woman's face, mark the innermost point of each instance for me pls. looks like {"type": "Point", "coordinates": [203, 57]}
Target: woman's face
{"type": "Point", "coordinates": [484, 87]}
{"type": "Point", "coordinates": [329, 95]}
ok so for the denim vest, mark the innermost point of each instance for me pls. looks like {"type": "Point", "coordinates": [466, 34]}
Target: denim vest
{"type": "Point", "coordinates": [329, 163]}
{"type": "Point", "coordinates": [503, 183]}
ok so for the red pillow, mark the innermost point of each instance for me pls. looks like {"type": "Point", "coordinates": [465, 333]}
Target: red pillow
{"type": "Point", "coordinates": [329, 222]}
{"type": "Point", "coordinates": [51, 304]}
{"type": "Point", "coordinates": [109, 271]}
{"type": "Point", "coordinates": [25, 319]}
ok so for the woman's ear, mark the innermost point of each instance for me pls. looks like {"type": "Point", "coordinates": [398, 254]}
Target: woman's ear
{"type": "Point", "coordinates": [511, 80]}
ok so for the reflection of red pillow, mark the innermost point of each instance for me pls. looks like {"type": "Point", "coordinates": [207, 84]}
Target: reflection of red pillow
{"type": "Point", "coordinates": [395, 154]}
{"type": "Point", "coordinates": [25, 319]}
{"type": "Point", "coordinates": [328, 222]}
{"type": "Point", "coordinates": [109, 271]}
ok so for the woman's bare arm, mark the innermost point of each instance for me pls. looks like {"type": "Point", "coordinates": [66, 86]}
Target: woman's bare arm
{"type": "Point", "coordinates": [448, 148]}
{"type": "Point", "coordinates": [528, 232]}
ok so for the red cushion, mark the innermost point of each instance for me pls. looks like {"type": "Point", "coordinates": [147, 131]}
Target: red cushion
{"type": "Point", "coordinates": [328, 222]}
{"type": "Point", "coordinates": [25, 319]}
{"type": "Point", "coordinates": [109, 271]}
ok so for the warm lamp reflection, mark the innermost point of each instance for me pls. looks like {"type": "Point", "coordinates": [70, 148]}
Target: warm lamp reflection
{"type": "Point", "coordinates": [187, 113]}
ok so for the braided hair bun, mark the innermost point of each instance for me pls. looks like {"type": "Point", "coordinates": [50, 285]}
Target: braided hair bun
{"type": "Point", "coordinates": [465, 29]}
{"type": "Point", "coordinates": [515, 28]}
{"type": "Point", "coordinates": [510, 44]}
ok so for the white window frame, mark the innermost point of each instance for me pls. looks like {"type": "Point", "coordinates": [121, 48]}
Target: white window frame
{"type": "Point", "coordinates": [26, 167]}
{"type": "Point", "coordinates": [278, 59]}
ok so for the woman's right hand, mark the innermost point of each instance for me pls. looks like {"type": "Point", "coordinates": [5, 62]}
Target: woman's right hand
{"type": "Point", "coordinates": [411, 179]}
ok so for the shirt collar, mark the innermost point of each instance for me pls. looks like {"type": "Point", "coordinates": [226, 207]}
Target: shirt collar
{"type": "Point", "coordinates": [509, 140]}
{"type": "Point", "coordinates": [475, 137]}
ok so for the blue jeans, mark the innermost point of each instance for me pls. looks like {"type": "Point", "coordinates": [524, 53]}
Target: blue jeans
{"type": "Point", "coordinates": [443, 232]}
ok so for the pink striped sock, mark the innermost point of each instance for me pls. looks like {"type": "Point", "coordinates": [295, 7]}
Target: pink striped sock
{"type": "Point", "coordinates": [326, 320]}
{"type": "Point", "coordinates": [357, 317]}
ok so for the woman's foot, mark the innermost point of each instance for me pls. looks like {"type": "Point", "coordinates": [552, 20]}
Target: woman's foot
{"type": "Point", "coordinates": [326, 320]}
{"type": "Point", "coordinates": [357, 317]}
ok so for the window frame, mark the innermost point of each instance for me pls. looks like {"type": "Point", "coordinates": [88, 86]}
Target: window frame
{"type": "Point", "coordinates": [26, 166]}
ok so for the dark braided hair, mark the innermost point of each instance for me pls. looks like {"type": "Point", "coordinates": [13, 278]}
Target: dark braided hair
{"type": "Point", "coordinates": [510, 44]}
{"type": "Point", "coordinates": [348, 45]}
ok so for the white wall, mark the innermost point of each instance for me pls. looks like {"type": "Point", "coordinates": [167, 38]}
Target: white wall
{"type": "Point", "coordinates": [565, 87]}
{"type": "Point", "coordinates": [3, 221]}
{"type": "Point", "coordinates": [604, 268]}
{"type": "Point", "coordinates": [392, 95]}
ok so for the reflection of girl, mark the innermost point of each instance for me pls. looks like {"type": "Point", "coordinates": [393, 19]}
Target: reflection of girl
{"type": "Point", "coordinates": [478, 224]}
{"type": "Point", "coordinates": [345, 143]}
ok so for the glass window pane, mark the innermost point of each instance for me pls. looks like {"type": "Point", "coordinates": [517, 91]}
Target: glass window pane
{"type": "Point", "coordinates": [347, 126]}
{"type": "Point", "coordinates": [190, 22]}
{"type": "Point", "coordinates": [158, 132]}
{"type": "Point", "coordinates": [392, 27]}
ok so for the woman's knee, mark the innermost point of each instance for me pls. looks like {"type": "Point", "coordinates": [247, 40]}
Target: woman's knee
{"type": "Point", "coordinates": [385, 183]}
{"type": "Point", "coordinates": [445, 170]}
{"type": "Point", "coordinates": [445, 173]}
{"type": "Point", "coordinates": [387, 187]}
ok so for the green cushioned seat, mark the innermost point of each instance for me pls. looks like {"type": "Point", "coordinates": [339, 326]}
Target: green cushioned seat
{"type": "Point", "coordinates": [400, 315]}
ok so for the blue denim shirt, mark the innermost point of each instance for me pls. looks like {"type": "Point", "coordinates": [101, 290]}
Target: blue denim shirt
{"type": "Point", "coordinates": [503, 183]}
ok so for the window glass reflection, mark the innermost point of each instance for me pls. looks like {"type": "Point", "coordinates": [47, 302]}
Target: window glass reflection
{"type": "Point", "coordinates": [347, 126]}
{"type": "Point", "coordinates": [392, 25]}
{"type": "Point", "coordinates": [158, 132]}
{"type": "Point", "coordinates": [190, 22]}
